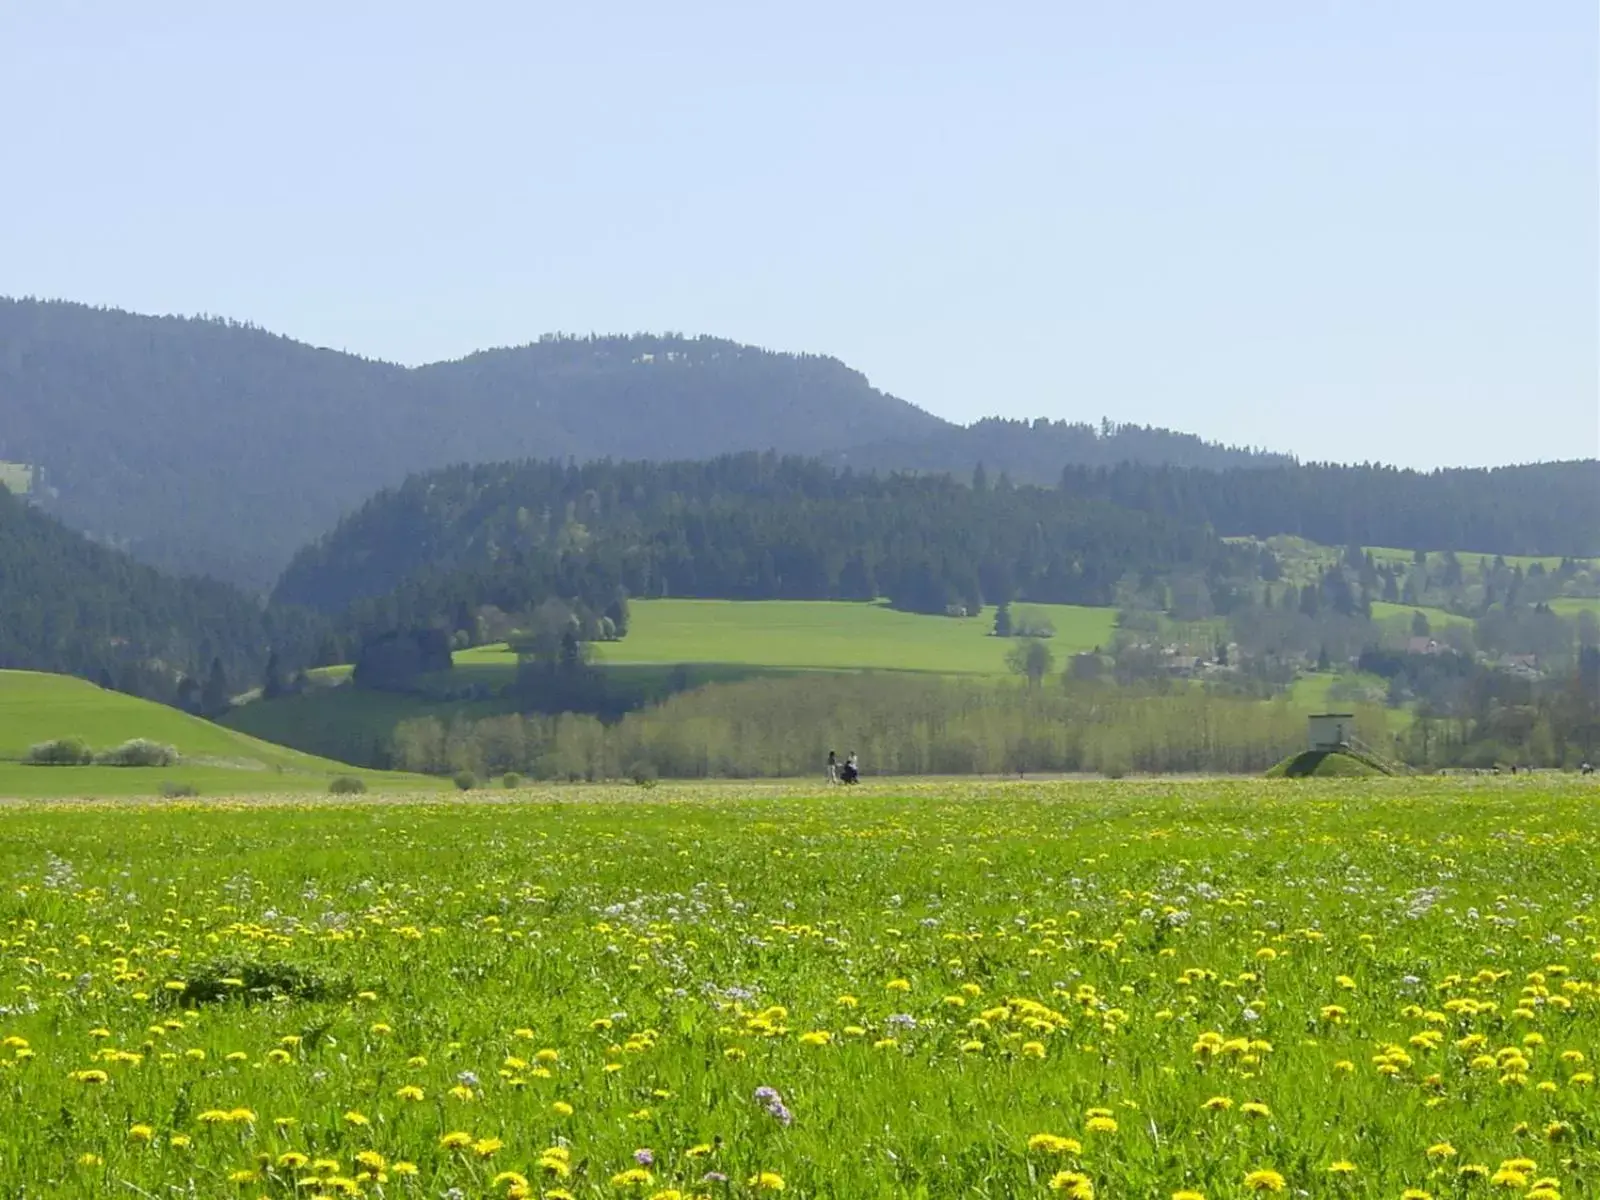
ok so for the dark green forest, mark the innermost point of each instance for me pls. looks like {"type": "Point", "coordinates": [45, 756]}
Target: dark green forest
{"type": "Point", "coordinates": [750, 526]}
{"type": "Point", "coordinates": [1546, 509]}
{"type": "Point", "coordinates": [70, 606]}
{"type": "Point", "coordinates": [212, 447]}
{"type": "Point", "coordinates": [763, 527]}
{"type": "Point", "coordinates": [1035, 451]}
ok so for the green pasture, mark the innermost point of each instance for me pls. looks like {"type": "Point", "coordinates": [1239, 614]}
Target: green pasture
{"type": "Point", "coordinates": [16, 478]}
{"type": "Point", "coordinates": [1438, 618]}
{"type": "Point", "coordinates": [1346, 989]}
{"type": "Point", "coordinates": [835, 636]}
{"type": "Point", "coordinates": [36, 707]}
{"type": "Point", "coordinates": [1571, 606]}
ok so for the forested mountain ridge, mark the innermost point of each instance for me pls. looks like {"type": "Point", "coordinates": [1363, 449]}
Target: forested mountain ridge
{"type": "Point", "coordinates": [212, 447]}
{"type": "Point", "coordinates": [70, 606]}
{"type": "Point", "coordinates": [1036, 451]}
{"type": "Point", "coordinates": [1542, 509]}
{"type": "Point", "coordinates": [748, 526]}
{"type": "Point", "coordinates": [758, 526]}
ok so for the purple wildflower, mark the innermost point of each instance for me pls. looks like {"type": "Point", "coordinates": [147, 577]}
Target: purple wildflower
{"type": "Point", "coordinates": [773, 1102]}
{"type": "Point", "coordinates": [645, 1158]}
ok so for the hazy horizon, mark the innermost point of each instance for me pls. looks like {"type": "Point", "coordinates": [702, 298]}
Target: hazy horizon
{"type": "Point", "coordinates": [1348, 235]}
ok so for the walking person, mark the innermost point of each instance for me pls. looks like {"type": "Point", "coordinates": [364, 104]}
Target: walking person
{"type": "Point", "coordinates": [833, 767]}
{"type": "Point", "coordinates": [852, 769]}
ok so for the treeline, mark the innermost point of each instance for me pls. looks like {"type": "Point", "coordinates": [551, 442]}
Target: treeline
{"type": "Point", "coordinates": [1545, 509]}
{"type": "Point", "coordinates": [1487, 719]}
{"type": "Point", "coordinates": [1034, 451]}
{"type": "Point", "coordinates": [899, 724]}
{"type": "Point", "coordinates": [71, 606]}
{"type": "Point", "coordinates": [744, 527]}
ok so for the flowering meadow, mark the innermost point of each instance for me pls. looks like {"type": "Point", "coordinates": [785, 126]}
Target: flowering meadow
{"type": "Point", "coordinates": [1165, 989]}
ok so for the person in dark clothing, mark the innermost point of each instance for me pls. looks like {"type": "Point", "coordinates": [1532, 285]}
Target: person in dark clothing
{"type": "Point", "coordinates": [852, 769]}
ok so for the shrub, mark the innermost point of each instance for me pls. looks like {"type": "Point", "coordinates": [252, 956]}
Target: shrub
{"type": "Point", "coordinates": [1029, 623]}
{"type": "Point", "coordinates": [511, 781]}
{"type": "Point", "coordinates": [347, 785]}
{"type": "Point", "coordinates": [179, 791]}
{"type": "Point", "coordinates": [138, 752]}
{"type": "Point", "coordinates": [61, 752]}
{"type": "Point", "coordinates": [644, 773]}
{"type": "Point", "coordinates": [252, 980]}
{"type": "Point", "coordinates": [466, 781]}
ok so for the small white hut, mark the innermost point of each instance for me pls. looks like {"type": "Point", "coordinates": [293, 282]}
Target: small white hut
{"type": "Point", "coordinates": [1330, 731]}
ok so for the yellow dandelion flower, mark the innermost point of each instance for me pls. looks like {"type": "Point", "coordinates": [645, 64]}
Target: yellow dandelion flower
{"type": "Point", "coordinates": [1049, 1143]}
{"type": "Point", "coordinates": [410, 1093]}
{"type": "Point", "coordinates": [458, 1140]}
{"type": "Point", "coordinates": [1265, 1181]}
{"type": "Point", "coordinates": [1100, 1125]}
{"type": "Point", "coordinates": [766, 1181]}
{"type": "Point", "coordinates": [141, 1133]}
{"type": "Point", "coordinates": [632, 1177]}
{"type": "Point", "coordinates": [1254, 1108]}
{"type": "Point", "coordinates": [1218, 1104]}
{"type": "Point", "coordinates": [1342, 1166]}
{"type": "Point", "coordinates": [1441, 1150]}
{"type": "Point", "coordinates": [1073, 1184]}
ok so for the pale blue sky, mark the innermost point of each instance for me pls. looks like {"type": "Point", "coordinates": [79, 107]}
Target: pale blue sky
{"type": "Point", "coordinates": [1361, 230]}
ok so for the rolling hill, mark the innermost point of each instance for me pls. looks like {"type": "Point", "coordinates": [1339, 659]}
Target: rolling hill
{"type": "Point", "coordinates": [37, 707]}
{"type": "Point", "coordinates": [67, 604]}
{"type": "Point", "coordinates": [213, 447]}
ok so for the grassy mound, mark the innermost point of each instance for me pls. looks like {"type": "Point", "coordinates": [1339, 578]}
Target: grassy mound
{"type": "Point", "coordinates": [1326, 764]}
{"type": "Point", "coordinates": [37, 708]}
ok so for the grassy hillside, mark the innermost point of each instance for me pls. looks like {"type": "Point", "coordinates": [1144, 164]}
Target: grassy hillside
{"type": "Point", "coordinates": [1571, 606]}
{"type": "Point", "coordinates": [16, 478]}
{"type": "Point", "coordinates": [813, 635]}
{"type": "Point", "coordinates": [36, 707]}
{"type": "Point", "coordinates": [1438, 618]}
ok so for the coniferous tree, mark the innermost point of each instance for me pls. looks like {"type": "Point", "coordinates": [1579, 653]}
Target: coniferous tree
{"type": "Point", "coordinates": [215, 698]}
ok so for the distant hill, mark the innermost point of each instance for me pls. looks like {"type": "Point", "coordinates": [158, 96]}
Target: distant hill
{"type": "Point", "coordinates": [741, 527]}
{"type": "Point", "coordinates": [1036, 451]}
{"type": "Point", "coordinates": [212, 447]}
{"type": "Point", "coordinates": [69, 605]}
